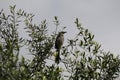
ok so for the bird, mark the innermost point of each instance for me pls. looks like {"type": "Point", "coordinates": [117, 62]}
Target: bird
{"type": "Point", "coordinates": [58, 44]}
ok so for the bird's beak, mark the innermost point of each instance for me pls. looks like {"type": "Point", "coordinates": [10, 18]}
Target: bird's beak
{"type": "Point", "coordinates": [64, 32]}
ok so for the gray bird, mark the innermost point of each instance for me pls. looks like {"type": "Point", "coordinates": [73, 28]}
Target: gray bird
{"type": "Point", "coordinates": [58, 44]}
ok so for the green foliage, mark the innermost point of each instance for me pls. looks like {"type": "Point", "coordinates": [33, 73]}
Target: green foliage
{"type": "Point", "coordinates": [81, 57]}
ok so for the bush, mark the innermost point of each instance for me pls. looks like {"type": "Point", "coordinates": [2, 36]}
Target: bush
{"type": "Point", "coordinates": [81, 57]}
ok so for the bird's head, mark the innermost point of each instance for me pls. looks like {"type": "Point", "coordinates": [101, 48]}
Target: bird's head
{"type": "Point", "coordinates": [62, 32]}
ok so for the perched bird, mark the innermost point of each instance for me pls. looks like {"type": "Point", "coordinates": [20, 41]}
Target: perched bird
{"type": "Point", "coordinates": [58, 44]}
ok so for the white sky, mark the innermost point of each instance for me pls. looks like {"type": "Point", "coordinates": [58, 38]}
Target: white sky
{"type": "Point", "coordinates": [101, 17]}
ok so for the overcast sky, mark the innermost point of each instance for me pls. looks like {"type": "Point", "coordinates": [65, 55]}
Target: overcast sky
{"type": "Point", "coordinates": [101, 17]}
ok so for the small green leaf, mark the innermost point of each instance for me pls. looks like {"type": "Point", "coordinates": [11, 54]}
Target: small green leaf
{"type": "Point", "coordinates": [55, 17]}
{"type": "Point", "coordinates": [4, 17]}
{"type": "Point", "coordinates": [89, 49]}
{"type": "Point", "coordinates": [85, 39]}
{"type": "Point", "coordinates": [1, 11]}
{"type": "Point", "coordinates": [14, 6]}
{"type": "Point", "coordinates": [92, 37]}
{"type": "Point", "coordinates": [0, 46]}
{"type": "Point", "coordinates": [86, 31]}
{"type": "Point", "coordinates": [25, 14]}
{"type": "Point", "coordinates": [77, 20]}
{"type": "Point", "coordinates": [0, 22]}
{"type": "Point", "coordinates": [81, 43]}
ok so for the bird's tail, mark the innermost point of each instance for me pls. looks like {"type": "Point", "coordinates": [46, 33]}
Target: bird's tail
{"type": "Point", "coordinates": [57, 59]}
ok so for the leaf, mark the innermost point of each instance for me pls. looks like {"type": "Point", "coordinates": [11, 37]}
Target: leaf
{"type": "Point", "coordinates": [14, 6]}
{"type": "Point", "coordinates": [89, 49]}
{"type": "Point", "coordinates": [85, 39]}
{"type": "Point", "coordinates": [86, 31]}
{"type": "Point", "coordinates": [4, 17]}
{"type": "Point", "coordinates": [77, 52]}
{"type": "Point", "coordinates": [25, 14]}
{"type": "Point", "coordinates": [81, 43]}
{"type": "Point", "coordinates": [0, 22]}
{"type": "Point", "coordinates": [64, 27]}
{"type": "Point", "coordinates": [89, 59]}
{"type": "Point", "coordinates": [44, 21]}
{"type": "Point", "coordinates": [92, 37]}
{"type": "Point", "coordinates": [55, 17]}
{"type": "Point", "coordinates": [0, 46]}
{"type": "Point", "coordinates": [99, 57]}
{"type": "Point", "coordinates": [83, 54]}
{"type": "Point", "coordinates": [80, 33]}
{"type": "Point", "coordinates": [77, 21]}
{"type": "Point", "coordinates": [1, 11]}
{"type": "Point", "coordinates": [89, 35]}
{"type": "Point", "coordinates": [17, 25]}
